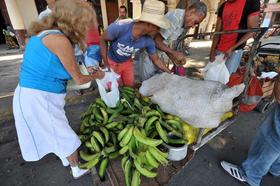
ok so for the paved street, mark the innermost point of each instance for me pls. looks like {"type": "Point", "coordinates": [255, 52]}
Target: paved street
{"type": "Point", "coordinates": [204, 169]}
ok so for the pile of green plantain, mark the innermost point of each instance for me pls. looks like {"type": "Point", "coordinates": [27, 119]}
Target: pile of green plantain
{"type": "Point", "coordinates": [133, 131]}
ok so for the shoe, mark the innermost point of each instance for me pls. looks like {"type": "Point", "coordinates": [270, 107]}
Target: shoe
{"type": "Point", "coordinates": [77, 172]}
{"type": "Point", "coordinates": [234, 171]}
{"type": "Point", "coordinates": [65, 162]}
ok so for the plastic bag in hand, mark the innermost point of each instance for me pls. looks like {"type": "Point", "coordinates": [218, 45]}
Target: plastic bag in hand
{"type": "Point", "coordinates": [109, 89]}
{"type": "Point", "coordinates": [217, 70]}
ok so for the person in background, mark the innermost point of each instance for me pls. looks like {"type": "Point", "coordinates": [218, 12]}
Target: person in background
{"type": "Point", "coordinates": [127, 38]}
{"type": "Point", "coordinates": [48, 9]}
{"type": "Point", "coordinates": [39, 99]}
{"type": "Point", "coordinates": [122, 13]}
{"type": "Point", "coordinates": [181, 21]}
{"type": "Point", "coordinates": [264, 153]}
{"type": "Point", "coordinates": [234, 15]}
{"type": "Point", "coordinates": [92, 54]}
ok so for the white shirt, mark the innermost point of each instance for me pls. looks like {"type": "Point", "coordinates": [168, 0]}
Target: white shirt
{"type": "Point", "coordinates": [45, 13]}
{"type": "Point", "coordinates": [176, 18]}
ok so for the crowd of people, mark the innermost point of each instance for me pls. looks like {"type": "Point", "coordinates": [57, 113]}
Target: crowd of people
{"type": "Point", "coordinates": [67, 34]}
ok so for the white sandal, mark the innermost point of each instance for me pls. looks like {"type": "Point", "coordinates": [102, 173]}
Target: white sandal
{"type": "Point", "coordinates": [233, 170]}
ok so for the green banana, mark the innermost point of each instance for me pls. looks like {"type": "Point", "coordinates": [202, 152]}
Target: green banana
{"type": "Point", "coordinates": [177, 141]}
{"type": "Point", "coordinates": [123, 161]}
{"type": "Point", "coordinates": [136, 180]}
{"type": "Point", "coordinates": [120, 126]}
{"type": "Point", "coordinates": [141, 121]}
{"type": "Point", "coordinates": [88, 157]}
{"type": "Point", "coordinates": [114, 138]}
{"type": "Point", "coordinates": [91, 163]}
{"type": "Point", "coordinates": [125, 140]}
{"type": "Point", "coordinates": [127, 173]}
{"type": "Point", "coordinates": [104, 114]}
{"type": "Point", "coordinates": [112, 125]}
{"type": "Point", "coordinates": [99, 138]}
{"type": "Point", "coordinates": [114, 115]}
{"type": "Point", "coordinates": [113, 155]}
{"type": "Point", "coordinates": [95, 144]}
{"type": "Point", "coordinates": [143, 170]}
{"type": "Point", "coordinates": [176, 125]}
{"type": "Point", "coordinates": [159, 156]}
{"type": "Point", "coordinates": [88, 145]}
{"type": "Point", "coordinates": [97, 115]}
{"type": "Point", "coordinates": [132, 147]}
{"type": "Point", "coordinates": [105, 133]}
{"type": "Point", "coordinates": [151, 160]}
{"type": "Point", "coordinates": [168, 127]}
{"type": "Point", "coordinates": [176, 133]}
{"type": "Point", "coordinates": [122, 133]}
{"type": "Point", "coordinates": [100, 102]}
{"type": "Point", "coordinates": [162, 133]}
{"type": "Point", "coordinates": [102, 168]}
{"type": "Point", "coordinates": [109, 150]}
{"type": "Point", "coordinates": [137, 104]}
{"type": "Point", "coordinates": [149, 123]}
{"type": "Point", "coordinates": [128, 89]}
{"type": "Point", "coordinates": [123, 150]}
{"type": "Point", "coordinates": [152, 113]}
{"type": "Point", "coordinates": [145, 140]}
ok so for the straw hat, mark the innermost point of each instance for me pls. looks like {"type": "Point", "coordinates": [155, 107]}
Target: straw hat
{"type": "Point", "coordinates": [153, 12]}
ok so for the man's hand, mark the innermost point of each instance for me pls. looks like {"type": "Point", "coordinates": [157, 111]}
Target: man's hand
{"type": "Point", "coordinates": [178, 56]}
{"type": "Point", "coordinates": [228, 53]}
{"type": "Point", "coordinates": [99, 74]}
{"type": "Point", "coordinates": [212, 56]}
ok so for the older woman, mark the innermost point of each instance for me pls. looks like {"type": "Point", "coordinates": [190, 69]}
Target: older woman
{"type": "Point", "coordinates": [48, 64]}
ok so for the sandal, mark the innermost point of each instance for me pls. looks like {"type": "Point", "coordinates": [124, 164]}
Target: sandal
{"type": "Point", "coordinates": [233, 170]}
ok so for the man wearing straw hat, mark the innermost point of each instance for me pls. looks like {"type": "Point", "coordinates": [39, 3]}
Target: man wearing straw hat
{"type": "Point", "coordinates": [127, 38]}
{"type": "Point", "coordinates": [181, 21]}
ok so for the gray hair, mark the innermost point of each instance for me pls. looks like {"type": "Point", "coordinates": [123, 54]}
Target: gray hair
{"type": "Point", "coordinates": [200, 8]}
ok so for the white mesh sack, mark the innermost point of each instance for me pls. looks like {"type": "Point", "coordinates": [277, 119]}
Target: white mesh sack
{"type": "Point", "coordinates": [199, 103]}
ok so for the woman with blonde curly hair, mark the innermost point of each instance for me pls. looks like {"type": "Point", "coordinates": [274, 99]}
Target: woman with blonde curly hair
{"type": "Point", "coordinates": [48, 64]}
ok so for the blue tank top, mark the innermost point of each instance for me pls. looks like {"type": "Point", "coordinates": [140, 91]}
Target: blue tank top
{"type": "Point", "coordinates": [41, 69]}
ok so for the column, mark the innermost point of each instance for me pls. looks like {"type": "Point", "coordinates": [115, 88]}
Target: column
{"type": "Point", "coordinates": [136, 8]}
{"type": "Point", "coordinates": [16, 20]}
{"type": "Point", "coordinates": [104, 13]}
{"type": "Point", "coordinates": [211, 22]}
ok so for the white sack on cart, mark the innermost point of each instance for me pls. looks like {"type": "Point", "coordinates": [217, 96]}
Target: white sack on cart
{"type": "Point", "coordinates": [199, 103]}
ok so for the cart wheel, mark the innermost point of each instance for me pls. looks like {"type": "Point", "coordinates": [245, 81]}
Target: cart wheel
{"type": "Point", "coordinates": [263, 106]}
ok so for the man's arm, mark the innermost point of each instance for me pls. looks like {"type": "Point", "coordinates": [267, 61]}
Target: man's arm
{"type": "Point", "coordinates": [172, 54]}
{"type": "Point", "coordinates": [252, 22]}
{"type": "Point", "coordinates": [103, 48]}
{"type": "Point", "coordinates": [216, 40]}
{"type": "Point", "coordinates": [156, 60]}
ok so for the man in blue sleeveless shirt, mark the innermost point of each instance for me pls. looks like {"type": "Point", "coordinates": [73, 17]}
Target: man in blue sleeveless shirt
{"type": "Point", "coordinates": [128, 37]}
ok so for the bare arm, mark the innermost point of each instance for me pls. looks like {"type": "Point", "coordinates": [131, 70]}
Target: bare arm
{"type": "Point", "coordinates": [172, 54]}
{"type": "Point", "coordinates": [62, 47]}
{"type": "Point", "coordinates": [103, 47]}
{"type": "Point", "coordinates": [216, 39]}
{"type": "Point", "coordinates": [160, 64]}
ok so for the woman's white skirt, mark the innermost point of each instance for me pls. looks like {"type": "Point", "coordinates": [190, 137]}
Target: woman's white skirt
{"type": "Point", "coordinates": [41, 124]}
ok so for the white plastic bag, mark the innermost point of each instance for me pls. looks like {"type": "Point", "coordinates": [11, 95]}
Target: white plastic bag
{"type": "Point", "coordinates": [217, 70]}
{"type": "Point", "coordinates": [71, 84]}
{"type": "Point", "coordinates": [108, 88]}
